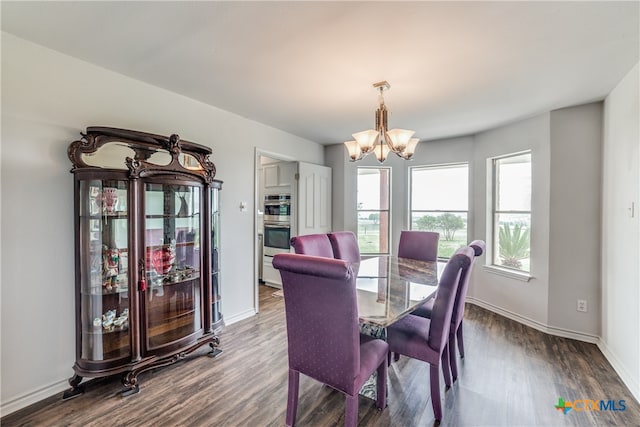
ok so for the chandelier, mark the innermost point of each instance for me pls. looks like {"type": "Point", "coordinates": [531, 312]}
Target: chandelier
{"type": "Point", "coordinates": [381, 141]}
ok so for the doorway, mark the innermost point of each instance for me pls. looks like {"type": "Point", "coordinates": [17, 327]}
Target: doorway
{"type": "Point", "coordinates": [271, 178]}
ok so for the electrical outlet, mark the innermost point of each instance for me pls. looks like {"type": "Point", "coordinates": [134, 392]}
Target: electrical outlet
{"type": "Point", "coordinates": [582, 305]}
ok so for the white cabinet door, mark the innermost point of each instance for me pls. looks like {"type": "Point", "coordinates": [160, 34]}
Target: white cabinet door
{"type": "Point", "coordinates": [287, 173]}
{"type": "Point", "coordinates": [270, 275]}
{"type": "Point", "coordinates": [271, 175]}
{"type": "Point", "coordinates": [314, 199]}
{"type": "Point", "coordinates": [277, 178]}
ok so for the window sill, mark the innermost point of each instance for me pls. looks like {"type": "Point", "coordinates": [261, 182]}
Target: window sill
{"type": "Point", "coordinates": [512, 274]}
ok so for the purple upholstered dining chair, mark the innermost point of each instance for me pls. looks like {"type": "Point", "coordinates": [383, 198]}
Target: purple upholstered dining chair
{"type": "Point", "coordinates": [427, 339]}
{"type": "Point", "coordinates": [420, 245]}
{"type": "Point", "coordinates": [323, 331]}
{"type": "Point", "coordinates": [313, 244]}
{"type": "Point", "coordinates": [425, 310]}
{"type": "Point", "coordinates": [345, 246]}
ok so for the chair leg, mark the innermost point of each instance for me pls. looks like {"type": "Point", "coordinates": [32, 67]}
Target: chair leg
{"type": "Point", "coordinates": [444, 361]}
{"type": "Point", "coordinates": [381, 386]}
{"type": "Point", "coordinates": [396, 357]}
{"type": "Point", "coordinates": [460, 341]}
{"type": "Point", "coordinates": [292, 399]}
{"type": "Point", "coordinates": [351, 411]}
{"type": "Point", "coordinates": [435, 392]}
{"type": "Point", "coordinates": [452, 357]}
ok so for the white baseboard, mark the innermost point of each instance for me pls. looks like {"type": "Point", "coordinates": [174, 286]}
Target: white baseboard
{"type": "Point", "coordinates": [239, 316]}
{"type": "Point", "coordinates": [632, 383]}
{"type": "Point", "coordinates": [551, 330]}
{"type": "Point", "coordinates": [32, 397]}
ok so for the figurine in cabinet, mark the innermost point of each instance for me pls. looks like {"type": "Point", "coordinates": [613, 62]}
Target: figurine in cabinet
{"type": "Point", "coordinates": [110, 267]}
{"type": "Point", "coordinates": [107, 200]}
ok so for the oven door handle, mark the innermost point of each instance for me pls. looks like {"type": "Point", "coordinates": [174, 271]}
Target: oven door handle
{"type": "Point", "coordinates": [277, 203]}
{"type": "Point", "coordinates": [277, 226]}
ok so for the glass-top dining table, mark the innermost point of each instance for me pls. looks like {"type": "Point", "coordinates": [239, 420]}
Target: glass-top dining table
{"type": "Point", "coordinates": [389, 287]}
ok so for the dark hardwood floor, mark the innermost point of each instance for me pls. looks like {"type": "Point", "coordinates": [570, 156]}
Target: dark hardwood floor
{"type": "Point", "coordinates": [512, 375]}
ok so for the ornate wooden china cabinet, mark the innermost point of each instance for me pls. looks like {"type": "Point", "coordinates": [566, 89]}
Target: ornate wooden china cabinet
{"type": "Point", "coordinates": [147, 239]}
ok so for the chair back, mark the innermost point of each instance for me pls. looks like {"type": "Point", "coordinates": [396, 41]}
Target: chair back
{"type": "Point", "coordinates": [313, 244]}
{"type": "Point", "coordinates": [478, 247]}
{"type": "Point", "coordinates": [322, 318]}
{"type": "Point", "coordinates": [420, 245]}
{"type": "Point", "coordinates": [443, 306]}
{"type": "Point", "coordinates": [345, 246]}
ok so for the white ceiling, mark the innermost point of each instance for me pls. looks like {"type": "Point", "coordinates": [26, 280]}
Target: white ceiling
{"type": "Point", "coordinates": [308, 67]}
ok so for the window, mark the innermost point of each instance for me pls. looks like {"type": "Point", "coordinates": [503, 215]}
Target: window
{"type": "Point", "coordinates": [374, 186]}
{"type": "Point", "coordinates": [512, 211]}
{"type": "Point", "coordinates": [440, 202]}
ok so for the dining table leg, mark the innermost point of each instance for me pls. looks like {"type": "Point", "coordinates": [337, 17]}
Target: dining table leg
{"type": "Point", "coordinates": [369, 388]}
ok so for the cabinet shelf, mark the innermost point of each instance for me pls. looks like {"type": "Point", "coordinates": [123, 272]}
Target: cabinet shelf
{"type": "Point", "coordinates": [114, 215]}
{"type": "Point", "coordinates": [169, 216]}
{"type": "Point", "coordinates": [103, 292]}
{"type": "Point", "coordinates": [167, 279]}
{"type": "Point", "coordinates": [101, 331]}
{"type": "Point", "coordinates": [166, 245]}
{"type": "Point", "coordinates": [94, 251]}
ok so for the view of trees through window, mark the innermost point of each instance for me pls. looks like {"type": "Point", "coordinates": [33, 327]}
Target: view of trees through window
{"type": "Point", "coordinates": [373, 210]}
{"type": "Point", "coordinates": [512, 211]}
{"type": "Point", "coordinates": [440, 203]}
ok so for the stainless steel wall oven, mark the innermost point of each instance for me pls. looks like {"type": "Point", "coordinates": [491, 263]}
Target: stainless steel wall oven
{"type": "Point", "coordinates": [277, 208]}
{"type": "Point", "coordinates": [276, 238]}
{"type": "Point", "coordinates": [277, 223]}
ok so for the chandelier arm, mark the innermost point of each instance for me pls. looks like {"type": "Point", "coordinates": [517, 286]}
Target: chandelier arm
{"type": "Point", "coordinates": [390, 144]}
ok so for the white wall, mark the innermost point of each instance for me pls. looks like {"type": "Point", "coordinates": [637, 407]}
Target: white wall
{"type": "Point", "coordinates": [620, 340]}
{"type": "Point", "coordinates": [335, 156]}
{"type": "Point", "coordinates": [524, 301]}
{"type": "Point", "coordinates": [574, 240]}
{"type": "Point", "coordinates": [47, 99]}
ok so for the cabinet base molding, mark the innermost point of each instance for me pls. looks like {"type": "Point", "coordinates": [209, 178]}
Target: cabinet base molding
{"type": "Point", "coordinates": [133, 370]}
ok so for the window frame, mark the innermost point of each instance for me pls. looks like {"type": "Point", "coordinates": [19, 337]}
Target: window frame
{"type": "Point", "coordinates": [388, 210]}
{"type": "Point", "coordinates": [410, 196]}
{"type": "Point", "coordinates": [493, 212]}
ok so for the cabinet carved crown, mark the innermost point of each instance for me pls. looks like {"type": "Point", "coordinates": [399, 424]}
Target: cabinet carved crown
{"type": "Point", "coordinates": [144, 153]}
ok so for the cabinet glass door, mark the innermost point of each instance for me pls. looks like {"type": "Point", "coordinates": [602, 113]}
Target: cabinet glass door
{"type": "Point", "coordinates": [104, 272]}
{"type": "Point", "coordinates": [215, 262]}
{"type": "Point", "coordinates": [172, 226]}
